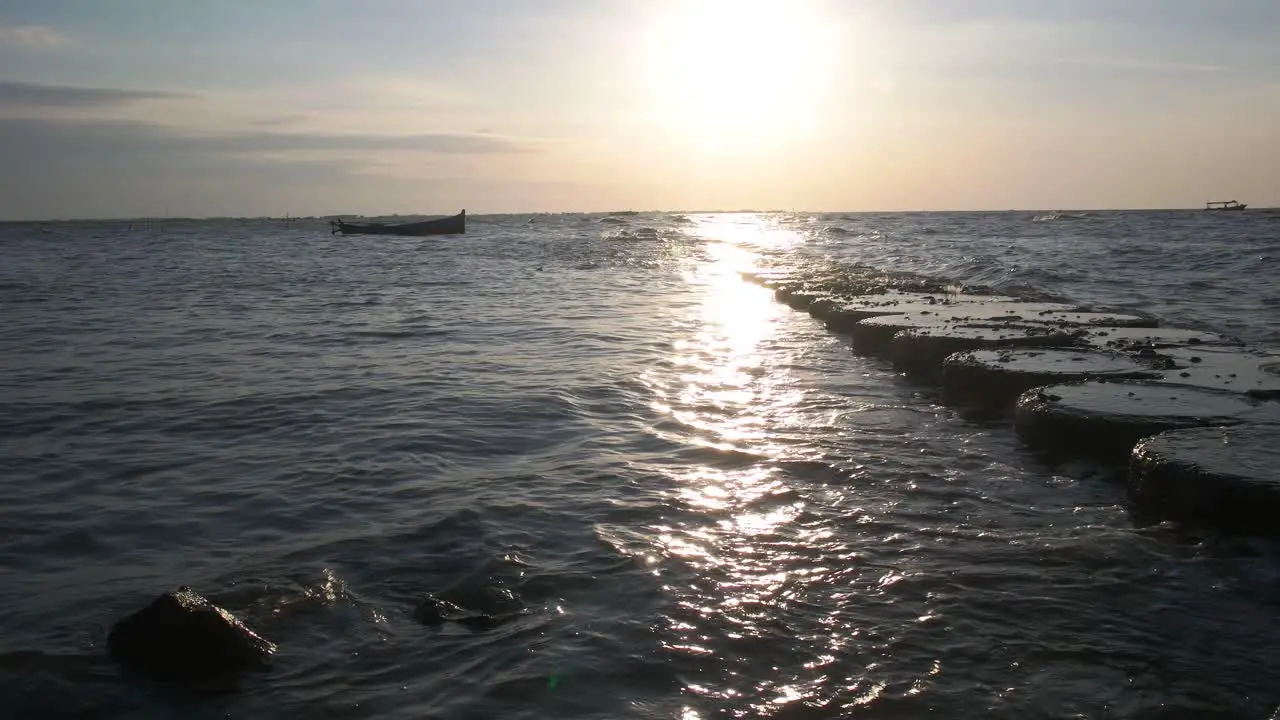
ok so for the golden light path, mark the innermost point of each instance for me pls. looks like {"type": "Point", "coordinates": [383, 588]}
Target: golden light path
{"type": "Point", "coordinates": [730, 390]}
{"type": "Point", "coordinates": [721, 387]}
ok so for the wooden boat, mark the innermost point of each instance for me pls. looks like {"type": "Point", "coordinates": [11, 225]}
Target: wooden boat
{"type": "Point", "coordinates": [1225, 205]}
{"type": "Point", "coordinates": [453, 225]}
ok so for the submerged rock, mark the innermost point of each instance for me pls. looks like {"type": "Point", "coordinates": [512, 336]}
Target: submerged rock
{"type": "Point", "coordinates": [183, 637]}
{"type": "Point", "coordinates": [1106, 419]}
{"type": "Point", "coordinates": [486, 608]}
{"type": "Point", "coordinates": [1224, 476]}
{"type": "Point", "coordinates": [432, 610]}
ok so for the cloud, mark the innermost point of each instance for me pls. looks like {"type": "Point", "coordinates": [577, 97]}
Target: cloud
{"type": "Point", "coordinates": [33, 95]}
{"type": "Point", "coordinates": [1142, 65]}
{"type": "Point", "coordinates": [440, 143]}
{"type": "Point", "coordinates": [280, 120]}
{"type": "Point", "coordinates": [114, 168]}
{"type": "Point", "coordinates": [36, 37]}
{"type": "Point", "coordinates": [141, 136]}
{"type": "Point", "coordinates": [98, 167]}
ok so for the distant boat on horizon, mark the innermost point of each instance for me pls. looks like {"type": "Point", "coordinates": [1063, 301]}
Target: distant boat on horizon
{"type": "Point", "coordinates": [1225, 205]}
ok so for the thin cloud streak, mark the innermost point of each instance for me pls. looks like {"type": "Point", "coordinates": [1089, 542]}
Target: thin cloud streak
{"type": "Point", "coordinates": [18, 133]}
{"type": "Point", "coordinates": [32, 37]}
{"type": "Point", "coordinates": [440, 143]}
{"type": "Point", "coordinates": [34, 95]}
{"type": "Point", "coordinates": [1142, 65]}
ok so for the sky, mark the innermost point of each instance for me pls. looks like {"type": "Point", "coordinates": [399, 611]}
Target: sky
{"type": "Point", "coordinates": [319, 107]}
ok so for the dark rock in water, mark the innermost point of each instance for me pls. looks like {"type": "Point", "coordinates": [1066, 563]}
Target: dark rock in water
{"type": "Point", "coordinates": [921, 352]}
{"type": "Point", "coordinates": [1106, 419]}
{"type": "Point", "coordinates": [432, 610]}
{"type": "Point", "coordinates": [183, 637]}
{"type": "Point", "coordinates": [1224, 476]}
{"type": "Point", "coordinates": [490, 607]}
{"type": "Point", "coordinates": [768, 278]}
{"type": "Point", "coordinates": [822, 307]}
{"type": "Point", "coordinates": [797, 295]}
{"type": "Point", "coordinates": [802, 299]}
{"type": "Point", "coordinates": [995, 378]}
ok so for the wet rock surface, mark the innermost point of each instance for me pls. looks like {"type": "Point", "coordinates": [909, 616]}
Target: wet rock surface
{"type": "Point", "coordinates": [842, 316]}
{"type": "Point", "coordinates": [1105, 419]}
{"type": "Point", "coordinates": [183, 637]}
{"type": "Point", "coordinates": [1256, 374]}
{"type": "Point", "coordinates": [873, 336]}
{"type": "Point", "coordinates": [1225, 476]}
{"type": "Point", "coordinates": [1093, 319]}
{"type": "Point", "coordinates": [922, 352]}
{"type": "Point", "coordinates": [995, 378]}
{"type": "Point", "coordinates": [1136, 338]}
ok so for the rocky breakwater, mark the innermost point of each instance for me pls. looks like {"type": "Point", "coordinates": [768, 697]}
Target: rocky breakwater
{"type": "Point", "coordinates": [1116, 387]}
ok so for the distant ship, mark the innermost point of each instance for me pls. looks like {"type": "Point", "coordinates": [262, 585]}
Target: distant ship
{"type": "Point", "coordinates": [1225, 205]}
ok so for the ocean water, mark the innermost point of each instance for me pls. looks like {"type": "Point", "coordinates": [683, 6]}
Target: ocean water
{"type": "Point", "coordinates": [678, 498]}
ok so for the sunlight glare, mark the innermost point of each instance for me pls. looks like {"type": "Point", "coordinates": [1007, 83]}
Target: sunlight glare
{"type": "Point", "coordinates": [728, 74]}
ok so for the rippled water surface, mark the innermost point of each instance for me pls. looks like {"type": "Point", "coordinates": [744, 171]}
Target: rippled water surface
{"type": "Point", "coordinates": [671, 496]}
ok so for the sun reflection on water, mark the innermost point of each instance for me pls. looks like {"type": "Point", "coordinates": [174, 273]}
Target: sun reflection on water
{"type": "Point", "coordinates": [722, 387]}
{"type": "Point", "coordinates": [735, 545]}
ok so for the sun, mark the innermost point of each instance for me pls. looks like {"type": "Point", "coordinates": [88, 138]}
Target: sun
{"type": "Point", "coordinates": [724, 74]}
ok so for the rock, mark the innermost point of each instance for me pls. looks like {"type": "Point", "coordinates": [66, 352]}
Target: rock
{"type": "Point", "coordinates": [798, 295]}
{"type": "Point", "coordinates": [993, 379]}
{"type": "Point", "coordinates": [183, 637]}
{"type": "Point", "coordinates": [770, 277]}
{"type": "Point", "coordinates": [841, 317]}
{"type": "Point", "coordinates": [921, 352]}
{"type": "Point", "coordinates": [815, 303]}
{"type": "Point", "coordinates": [1256, 374]}
{"type": "Point", "coordinates": [873, 335]}
{"type": "Point", "coordinates": [1136, 338]}
{"type": "Point", "coordinates": [1106, 419]}
{"type": "Point", "coordinates": [803, 299]}
{"type": "Point", "coordinates": [1225, 476]}
{"type": "Point", "coordinates": [1093, 319]}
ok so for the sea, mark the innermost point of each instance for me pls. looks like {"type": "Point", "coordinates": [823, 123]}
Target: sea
{"type": "Point", "coordinates": [648, 489]}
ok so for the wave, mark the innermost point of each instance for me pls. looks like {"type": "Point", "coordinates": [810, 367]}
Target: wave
{"type": "Point", "coordinates": [642, 234]}
{"type": "Point", "coordinates": [1058, 215]}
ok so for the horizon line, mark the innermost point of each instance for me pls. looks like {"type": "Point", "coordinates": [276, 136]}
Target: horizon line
{"type": "Point", "coordinates": [774, 211]}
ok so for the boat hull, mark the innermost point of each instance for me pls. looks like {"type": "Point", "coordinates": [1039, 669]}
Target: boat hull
{"type": "Point", "coordinates": [453, 225]}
